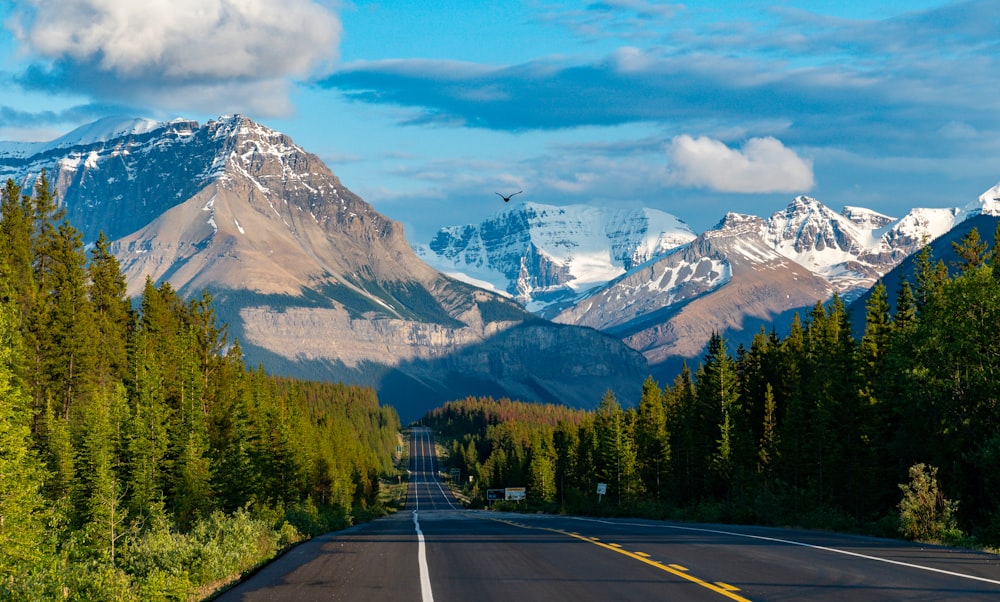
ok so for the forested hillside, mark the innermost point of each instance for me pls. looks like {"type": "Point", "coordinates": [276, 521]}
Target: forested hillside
{"type": "Point", "coordinates": [139, 457]}
{"type": "Point", "coordinates": [897, 432]}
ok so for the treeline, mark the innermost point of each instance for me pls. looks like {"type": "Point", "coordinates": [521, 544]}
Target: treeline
{"type": "Point", "coordinates": [818, 428]}
{"type": "Point", "coordinates": [139, 457]}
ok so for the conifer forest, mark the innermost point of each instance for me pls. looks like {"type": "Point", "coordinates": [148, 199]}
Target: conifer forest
{"type": "Point", "coordinates": [893, 433]}
{"type": "Point", "coordinates": [140, 459]}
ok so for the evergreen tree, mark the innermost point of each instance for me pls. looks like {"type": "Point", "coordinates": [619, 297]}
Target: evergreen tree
{"type": "Point", "coordinates": [17, 225]}
{"type": "Point", "coordinates": [101, 486]}
{"type": "Point", "coordinates": [566, 441]}
{"type": "Point", "coordinates": [768, 449]}
{"type": "Point", "coordinates": [541, 469]}
{"type": "Point", "coordinates": [796, 413]}
{"type": "Point", "coordinates": [25, 549]}
{"type": "Point", "coordinates": [66, 338]}
{"type": "Point", "coordinates": [112, 313]}
{"type": "Point", "coordinates": [971, 251]}
{"type": "Point", "coordinates": [930, 277]}
{"type": "Point", "coordinates": [615, 459]}
{"type": "Point", "coordinates": [718, 394]}
{"type": "Point", "coordinates": [652, 439]}
{"type": "Point", "coordinates": [685, 428]}
{"type": "Point", "coordinates": [906, 307]}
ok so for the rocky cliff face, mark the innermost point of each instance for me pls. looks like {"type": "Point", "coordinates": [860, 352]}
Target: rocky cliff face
{"type": "Point", "coordinates": [311, 278]}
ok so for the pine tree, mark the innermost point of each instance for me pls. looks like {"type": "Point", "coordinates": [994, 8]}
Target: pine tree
{"type": "Point", "coordinates": [112, 313]}
{"type": "Point", "coordinates": [101, 484]}
{"type": "Point", "coordinates": [541, 469]}
{"type": "Point", "coordinates": [929, 276]}
{"type": "Point", "coordinates": [685, 427]}
{"type": "Point", "coordinates": [17, 226]}
{"type": "Point", "coordinates": [971, 251]}
{"type": "Point", "coordinates": [906, 307]}
{"type": "Point", "coordinates": [652, 438]}
{"type": "Point", "coordinates": [565, 440]}
{"type": "Point", "coordinates": [24, 545]}
{"type": "Point", "coordinates": [718, 394]}
{"type": "Point", "coordinates": [796, 412]}
{"type": "Point", "coordinates": [66, 339]}
{"type": "Point", "coordinates": [768, 449]}
{"type": "Point", "coordinates": [615, 459]}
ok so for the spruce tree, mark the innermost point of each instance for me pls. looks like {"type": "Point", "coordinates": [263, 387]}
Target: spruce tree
{"type": "Point", "coordinates": [615, 458]}
{"type": "Point", "coordinates": [25, 549]}
{"type": "Point", "coordinates": [101, 486]}
{"type": "Point", "coordinates": [718, 395]}
{"type": "Point", "coordinates": [112, 313]}
{"type": "Point", "coordinates": [971, 251]}
{"type": "Point", "coordinates": [652, 438]}
{"type": "Point", "coordinates": [768, 448]}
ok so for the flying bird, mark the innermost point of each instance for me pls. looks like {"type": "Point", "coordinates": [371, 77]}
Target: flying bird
{"type": "Point", "coordinates": [506, 199]}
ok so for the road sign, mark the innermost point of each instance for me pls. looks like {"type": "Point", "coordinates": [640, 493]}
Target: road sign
{"type": "Point", "coordinates": [514, 494]}
{"type": "Point", "coordinates": [602, 488]}
{"type": "Point", "coordinates": [493, 495]}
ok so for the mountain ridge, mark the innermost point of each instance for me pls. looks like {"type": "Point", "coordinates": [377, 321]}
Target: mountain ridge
{"type": "Point", "coordinates": [669, 306]}
{"type": "Point", "coordinates": [307, 274]}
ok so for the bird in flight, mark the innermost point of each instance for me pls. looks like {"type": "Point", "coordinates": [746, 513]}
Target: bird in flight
{"type": "Point", "coordinates": [506, 199]}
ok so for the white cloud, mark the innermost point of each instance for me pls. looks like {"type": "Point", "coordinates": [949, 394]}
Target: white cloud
{"type": "Point", "coordinates": [196, 45]}
{"type": "Point", "coordinates": [762, 165]}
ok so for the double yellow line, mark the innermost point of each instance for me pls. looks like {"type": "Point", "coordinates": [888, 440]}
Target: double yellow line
{"type": "Point", "coordinates": [723, 589]}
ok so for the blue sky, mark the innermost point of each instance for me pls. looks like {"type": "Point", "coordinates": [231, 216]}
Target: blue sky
{"type": "Point", "coordinates": [426, 111]}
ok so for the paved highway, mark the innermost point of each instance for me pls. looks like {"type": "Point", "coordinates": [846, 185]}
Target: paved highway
{"type": "Point", "coordinates": [434, 550]}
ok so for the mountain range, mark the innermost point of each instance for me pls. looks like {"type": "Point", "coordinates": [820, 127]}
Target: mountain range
{"type": "Point", "coordinates": [312, 280]}
{"type": "Point", "coordinates": [645, 277]}
{"type": "Point", "coordinates": [537, 302]}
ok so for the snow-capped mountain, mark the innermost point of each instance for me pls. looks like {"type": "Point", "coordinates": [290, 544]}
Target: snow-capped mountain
{"type": "Point", "coordinates": [313, 281]}
{"type": "Point", "coordinates": [108, 128]}
{"type": "Point", "coordinates": [666, 299]}
{"type": "Point", "coordinates": [988, 203]}
{"type": "Point", "coordinates": [727, 279]}
{"type": "Point", "coordinates": [543, 255]}
{"type": "Point", "coordinates": [854, 248]}
{"type": "Point", "coordinates": [749, 272]}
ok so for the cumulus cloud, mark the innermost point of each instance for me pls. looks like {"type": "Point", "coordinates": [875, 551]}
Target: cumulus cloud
{"type": "Point", "coordinates": [176, 49]}
{"type": "Point", "coordinates": [763, 165]}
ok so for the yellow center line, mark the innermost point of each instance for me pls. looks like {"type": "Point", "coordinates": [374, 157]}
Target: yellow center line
{"type": "Point", "coordinates": [676, 570]}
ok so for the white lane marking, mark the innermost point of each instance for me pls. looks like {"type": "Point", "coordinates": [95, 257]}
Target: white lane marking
{"type": "Point", "coordinates": [802, 544]}
{"type": "Point", "coordinates": [425, 579]}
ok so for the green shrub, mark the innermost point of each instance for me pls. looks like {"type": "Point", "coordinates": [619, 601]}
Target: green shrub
{"type": "Point", "coordinates": [924, 513]}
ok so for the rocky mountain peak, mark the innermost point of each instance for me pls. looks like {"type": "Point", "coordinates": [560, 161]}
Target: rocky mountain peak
{"type": "Point", "coordinates": [988, 203]}
{"type": "Point", "coordinates": [546, 256]}
{"type": "Point", "coordinates": [313, 281]}
{"type": "Point", "coordinates": [734, 224]}
{"type": "Point", "coordinates": [866, 218]}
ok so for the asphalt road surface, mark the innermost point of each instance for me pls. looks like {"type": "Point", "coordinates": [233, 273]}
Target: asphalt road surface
{"type": "Point", "coordinates": [435, 550]}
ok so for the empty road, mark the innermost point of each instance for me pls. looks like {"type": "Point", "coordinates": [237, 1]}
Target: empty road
{"type": "Point", "coordinates": [435, 550]}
